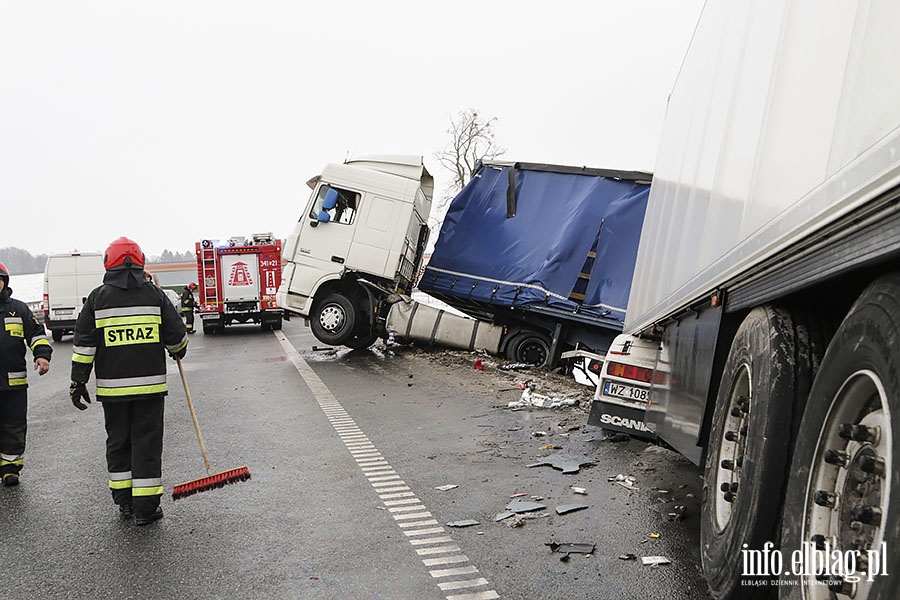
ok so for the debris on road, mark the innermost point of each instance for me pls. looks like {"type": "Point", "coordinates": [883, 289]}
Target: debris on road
{"type": "Point", "coordinates": [677, 513]}
{"type": "Point", "coordinates": [524, 506]}
{"type": "Point", "coordinates": [550, 447]}
{"type": "Point", "coordinates": [504, 515]}
{"type": "Point", "coordinates": [626, 481]}
{"type": "Point", "coordinates": [579, 490]}
{"type": "Point", "coordinates": [530, 398]}
{"type": "Point", "coordinates": [655, 560]}
{"type": "Point", "coordinates": [519, 495]}
{"type": "Point", "coordinates": [515, 367]}
{"type": "Point", "coordinates": [519, 520]}
{"type": "Point", "coordinates": [567, 463]}
{"type": "Point", "coordinates": [654, 536]}
{"type": "Point", "coordinates": [628, 556]}
{"type": "Point", "coordinates": [479, 365]}
{"type": "Point", "coordinates": [563, 509]}
{"type": "Point", "coordinates": [463, 523]}
{"type": "Point", "coordinates": [570, 548]}
{"type": "Point", "coordinates": [444, 488]}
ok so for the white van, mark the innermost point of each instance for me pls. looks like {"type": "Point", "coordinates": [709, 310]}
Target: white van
{"type": "Point", "coordinates": [68, 279]}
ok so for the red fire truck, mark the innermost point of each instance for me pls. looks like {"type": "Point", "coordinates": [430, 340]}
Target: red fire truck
{"type": "Point", "coordinates": [237, 281]}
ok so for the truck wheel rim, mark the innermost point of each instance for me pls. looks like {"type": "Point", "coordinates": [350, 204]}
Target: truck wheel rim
{"type": "Point", "coordinates": [533, 352]}
{"type": "Point", "coordinates": [732, 447]}
{"type": "Point", "coordinates": [332, 318]}
{"type": "Point", "coordinates": [848, 492]}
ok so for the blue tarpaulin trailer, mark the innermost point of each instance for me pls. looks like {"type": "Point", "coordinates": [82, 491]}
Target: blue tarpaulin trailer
{"type": "Point", "coordinates": [547, 251]}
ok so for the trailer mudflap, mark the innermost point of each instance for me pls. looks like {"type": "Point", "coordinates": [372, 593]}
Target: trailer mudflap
{"type": "Point", "coordinates": [622, 418]}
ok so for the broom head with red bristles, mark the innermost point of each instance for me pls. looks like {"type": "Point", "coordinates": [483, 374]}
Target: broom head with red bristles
{"type": "Point", "coordinates": [210, 482]}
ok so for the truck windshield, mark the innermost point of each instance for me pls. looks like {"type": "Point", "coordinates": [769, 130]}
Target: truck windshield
{"type": "Point", "coordinates": [343, 211]}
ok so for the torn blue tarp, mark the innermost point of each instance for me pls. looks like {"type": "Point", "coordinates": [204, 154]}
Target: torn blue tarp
{"type": "Point", "coordinates": [527, 236]}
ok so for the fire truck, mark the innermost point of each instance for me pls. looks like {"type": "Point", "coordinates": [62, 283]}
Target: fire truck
{"type": "Point", "coordinates": [237, 280]}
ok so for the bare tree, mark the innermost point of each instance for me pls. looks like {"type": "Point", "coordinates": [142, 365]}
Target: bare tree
{"type": "Point", "coordinates": [471, 141]}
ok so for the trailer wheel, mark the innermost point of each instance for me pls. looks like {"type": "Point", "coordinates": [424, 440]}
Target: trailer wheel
{"type": "Point", "coordinates": [766, 378]}
{"type": "Point", "coordinates": [56, 334]}
{"type": "Point", "coordinates": [529, 347]}
{"type": "Point", "coordinates": [333, 320]}
{"type": "Point", "coordinates": [845, 488]}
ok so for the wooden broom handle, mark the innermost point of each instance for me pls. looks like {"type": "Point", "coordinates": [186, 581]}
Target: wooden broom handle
{"type": "Point", "coordinates": [187, 393]}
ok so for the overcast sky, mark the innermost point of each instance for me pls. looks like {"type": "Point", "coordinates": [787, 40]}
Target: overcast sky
{"type": "Point", "coordinates": [170, 122]}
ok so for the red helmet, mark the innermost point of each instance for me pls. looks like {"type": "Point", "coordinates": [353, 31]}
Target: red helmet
{"type": "Point", "coordinates": [192, 286]}
{"type": "Point", "coordinates": [4, 273]}
{"type": "Point", "coordinates": [123, 251]}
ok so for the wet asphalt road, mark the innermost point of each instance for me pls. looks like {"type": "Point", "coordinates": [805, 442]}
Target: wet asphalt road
{"type": "Point", "coordinates": [338, 451]}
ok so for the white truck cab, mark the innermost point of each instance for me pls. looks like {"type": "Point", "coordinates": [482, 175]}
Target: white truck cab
{"type": "Point", "coordinates": [360, 238]}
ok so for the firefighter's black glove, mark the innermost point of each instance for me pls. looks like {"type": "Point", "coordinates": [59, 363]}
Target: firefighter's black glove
{"type": "Point", "coordinates": [78, 391]}
{"type": "Point", "coordinates": [179, 355]}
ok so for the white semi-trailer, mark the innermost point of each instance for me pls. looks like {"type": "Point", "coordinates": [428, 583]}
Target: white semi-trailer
{"type": "Point", "coordinates": [768, 284]}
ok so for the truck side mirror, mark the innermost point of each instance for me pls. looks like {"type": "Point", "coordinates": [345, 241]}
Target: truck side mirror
{"type": "Point", "coordinates": [323, 217]}
{"type": "Point", "coordinates": [330, 200]}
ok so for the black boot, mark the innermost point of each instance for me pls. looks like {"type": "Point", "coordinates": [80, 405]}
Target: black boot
{"type": "Point", "coordinates": [126, 511]}
{"type": "Point", "coordinates": [10, 479]}
{"type": "Point", "coordinates": [147, 519]}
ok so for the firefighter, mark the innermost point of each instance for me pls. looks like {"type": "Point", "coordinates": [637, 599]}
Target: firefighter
{"type": "Point", "coordinates": [123, 332]}
{"type": "Point", "coordinates": [19, 328]}
{"type": "Point", "coordinates": [188, 305]}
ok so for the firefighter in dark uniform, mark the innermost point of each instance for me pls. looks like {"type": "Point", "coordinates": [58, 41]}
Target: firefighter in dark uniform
{"type": "Point", "coordinates": [19, 328]}
{"type": "Point", "coordinates": [123, 332]}
{"type": "Point", "coordinates": [188, 305]}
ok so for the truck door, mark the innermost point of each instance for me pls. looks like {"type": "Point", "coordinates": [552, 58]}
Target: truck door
{"type": "Point", "coordinates": [325, 234]}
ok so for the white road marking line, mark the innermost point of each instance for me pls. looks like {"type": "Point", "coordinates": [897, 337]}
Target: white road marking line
{"type": "Point", "coordinates": [399, 488]}
{"type": "Point", "coordinates": [428, 531]}
{"type": "Point", "coordinates": [419, 523]}
{"type": "Point", "coordinates": [458, 585]}
{"type": "Point", "coordinates": [488, 595]}
{"type": "Point", "coordinates": [445, 560]}
{"type": "Point", "coordinates": [381, 476]}
{"type": "Point", "coordinates": [405, 508]}
{"type": "Point", "coordinates": [457, 571]}
{"type": "Point", "coordinates": [419, 515]}
{"type": "Point", "coordinates": [405, 501]}
{"type": "Point", "coordinates": [437, 550]}
{"type": "Point", "coordinates": [397, 495]}
{"type": "Point", "coordinates": [436, 540]}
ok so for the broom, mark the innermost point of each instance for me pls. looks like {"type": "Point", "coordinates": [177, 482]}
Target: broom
{"type": "Point", "coordinates": [211, 481]}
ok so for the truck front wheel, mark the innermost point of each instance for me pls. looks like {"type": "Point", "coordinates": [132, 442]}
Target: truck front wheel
{"type": "Point", "coordinates": [764, 383]}
{"type": "Point", "coordinates": [333, 320]}
{"type": "Point", "coordinates": [845, 488]}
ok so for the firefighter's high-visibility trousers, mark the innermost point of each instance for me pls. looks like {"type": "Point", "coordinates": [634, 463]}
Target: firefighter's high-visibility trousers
{"type": "Point", "coordinates": [134, 441]}
{"type": "Point", "coordinates": [13, 427]}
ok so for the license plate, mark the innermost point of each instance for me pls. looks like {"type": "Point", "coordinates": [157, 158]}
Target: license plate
{"type": "Point", "coordinates": [63, 312]}
{"type": "Point", "coordinates": [629, 392]}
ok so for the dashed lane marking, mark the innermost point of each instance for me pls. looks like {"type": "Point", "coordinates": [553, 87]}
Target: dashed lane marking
{"type": "Point", "coordinates": [426, 536]}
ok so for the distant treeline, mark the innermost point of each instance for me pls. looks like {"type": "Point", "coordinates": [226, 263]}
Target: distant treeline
{"type": "Point", "coordinates": [23, 262]}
